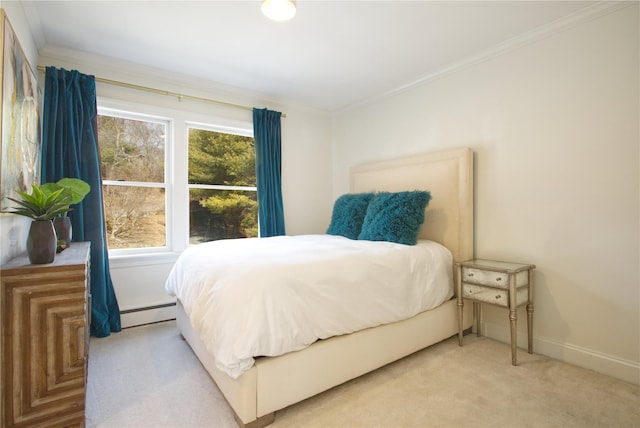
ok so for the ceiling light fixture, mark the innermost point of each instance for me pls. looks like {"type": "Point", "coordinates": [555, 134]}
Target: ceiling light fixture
{"type": "Point", "coordinates": [279, 10]}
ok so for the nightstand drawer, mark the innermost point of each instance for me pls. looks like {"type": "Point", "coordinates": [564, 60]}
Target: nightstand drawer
{"type": "Point", "coordinates": [493, 295]}
{"type": "Point", "coordinates": [485, 294]}
{"type": "Point", "coordinates": [483, 277]}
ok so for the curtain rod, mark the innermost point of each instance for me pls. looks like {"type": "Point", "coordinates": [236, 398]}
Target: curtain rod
{"type": "Point", "coordinates": [167, 93]}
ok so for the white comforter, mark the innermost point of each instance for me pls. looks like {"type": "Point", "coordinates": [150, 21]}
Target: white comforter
{"type": "Point", "coordinates": [269, 296]}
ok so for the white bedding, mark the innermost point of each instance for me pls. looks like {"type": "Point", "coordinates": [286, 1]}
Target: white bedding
{"type": "Point", "coordinates": [269, 296]}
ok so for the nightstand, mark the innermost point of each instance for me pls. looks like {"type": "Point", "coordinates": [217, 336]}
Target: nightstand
{"type": "Point", "coordinates": [504, 284]}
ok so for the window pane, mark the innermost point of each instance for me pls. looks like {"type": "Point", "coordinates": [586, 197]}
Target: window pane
{"type": "Point", "coordinates": [131, 150]}
{"type": "Point", "coordinates": [222, 159]}
{"type": "Point", "coordinates": [222, 214]}
{"type": "Point", "coordinates": [135, 216]}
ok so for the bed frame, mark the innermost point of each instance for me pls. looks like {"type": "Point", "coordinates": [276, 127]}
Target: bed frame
{"type": "Point", "coordinates": [274, 383]}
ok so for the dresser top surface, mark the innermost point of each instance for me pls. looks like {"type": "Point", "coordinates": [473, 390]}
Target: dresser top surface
{"type": "Point", "coordinates": [75, 254]}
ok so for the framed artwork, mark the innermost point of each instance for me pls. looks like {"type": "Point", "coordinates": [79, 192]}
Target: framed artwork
{"type": "Point", "coordinates": [20, 124]}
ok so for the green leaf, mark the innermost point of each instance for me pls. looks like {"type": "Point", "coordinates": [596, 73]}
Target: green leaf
{"type": "Point", "coordinates": [76, 189]}
{"type": "Point", "coordinates": [42, 204]}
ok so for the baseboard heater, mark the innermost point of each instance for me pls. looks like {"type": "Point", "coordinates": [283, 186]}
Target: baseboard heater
{"type": "Point", "coordinates": [147, 308]}
{"type": "Point", "coordinates": [147, 314]}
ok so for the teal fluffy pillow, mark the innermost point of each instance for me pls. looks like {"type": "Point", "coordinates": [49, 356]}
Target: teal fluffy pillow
{"type": "Point", "coordinates": [395, 217]}
{"type": "Point", "coordinates": [348, 214]}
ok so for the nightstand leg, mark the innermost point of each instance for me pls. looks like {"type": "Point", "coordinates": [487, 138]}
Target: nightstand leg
{"type": "Point", "coordinates": [514, 339]}
{"type": "Point", "coordinates": [460, 303]}
{"type": "Point", "coordinates": [530, 313]}
{"type": "Point", "coordinates": [513, 318]}
{"type": "Point", "coordinates": [477, 311]}
{"type": "Point", "coordinates": [530, 327]}
{"type": "Point", "coordinates": [460, 320]}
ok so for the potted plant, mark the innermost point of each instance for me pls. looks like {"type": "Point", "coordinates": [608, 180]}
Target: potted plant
{"type": "Point", "coordinates": [46, 202]}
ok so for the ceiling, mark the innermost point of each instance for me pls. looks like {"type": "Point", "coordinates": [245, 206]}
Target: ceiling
{"type": "Point", "coordinates": [332, 55]}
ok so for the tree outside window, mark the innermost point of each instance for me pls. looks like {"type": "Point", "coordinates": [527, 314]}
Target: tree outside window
{"type": "Point", "coordinates": [222, 186]}
{"type": "Point", "coordinates": [132, 151]}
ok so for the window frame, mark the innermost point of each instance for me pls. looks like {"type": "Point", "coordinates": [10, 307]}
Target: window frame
{"type": "Point", "coordinates": [176, 174]}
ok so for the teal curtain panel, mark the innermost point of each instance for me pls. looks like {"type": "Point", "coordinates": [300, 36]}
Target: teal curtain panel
{"type": "Point", "coordinates": [267, 137]}
{"type": "Point", "coordinates": [70, 149]}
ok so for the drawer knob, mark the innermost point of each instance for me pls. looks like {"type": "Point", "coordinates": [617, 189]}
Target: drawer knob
{"type": "Point", "coordinates": [499, 279]}
{"type": "Point", "coordinates": [498, 296]}
{"type": "Point", "coordinates": [470, 274]}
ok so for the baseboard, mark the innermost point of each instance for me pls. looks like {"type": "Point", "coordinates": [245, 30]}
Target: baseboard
{"type": "Point", "coordinates": [626, 370]}
{"type": "Point", "coordinates": [147, 315]}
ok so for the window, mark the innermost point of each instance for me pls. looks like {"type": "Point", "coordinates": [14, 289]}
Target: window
{"type": "Point", "coordinates": [169, 181]}
{"type": "Point", "coordinates": [134, 177]}
{"type": "Point", "coordinates": [222, 185]}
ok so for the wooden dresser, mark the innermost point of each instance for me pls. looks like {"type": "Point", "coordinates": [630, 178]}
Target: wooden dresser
{"type": "Point", "coordinates": [45, 340]}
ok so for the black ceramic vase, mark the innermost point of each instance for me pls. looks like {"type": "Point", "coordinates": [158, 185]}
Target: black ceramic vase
{"type": "Point", "coordinates": [41, 242]}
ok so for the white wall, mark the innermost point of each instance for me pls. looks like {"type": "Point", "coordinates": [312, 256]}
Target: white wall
{"type": "Point", "coordinates": [14, 229]}
{"type": "Point", "coordinates": [555, 128]}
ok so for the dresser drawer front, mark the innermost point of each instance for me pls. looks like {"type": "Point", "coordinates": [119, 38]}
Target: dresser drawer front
{"type": "Point", "coordinates": [483, 277]}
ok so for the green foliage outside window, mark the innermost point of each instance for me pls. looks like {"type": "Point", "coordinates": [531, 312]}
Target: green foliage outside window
{"type": "Point", "coordinates": [221, 159]}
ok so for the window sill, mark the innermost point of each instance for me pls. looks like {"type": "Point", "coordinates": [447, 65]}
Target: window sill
{"type": "Point", "coordinates": [134, 260]}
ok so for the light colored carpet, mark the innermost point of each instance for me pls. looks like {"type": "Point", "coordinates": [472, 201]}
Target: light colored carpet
{"type": "Point", "coordinates": [148, 377]}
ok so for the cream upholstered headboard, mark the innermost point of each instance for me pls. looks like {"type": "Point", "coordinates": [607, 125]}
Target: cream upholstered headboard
{"type": "Point", "coordinates": [448, 175]}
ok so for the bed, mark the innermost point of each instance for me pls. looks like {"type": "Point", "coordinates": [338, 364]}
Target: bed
{"type": "Point", "coordinates": [273, 383]}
